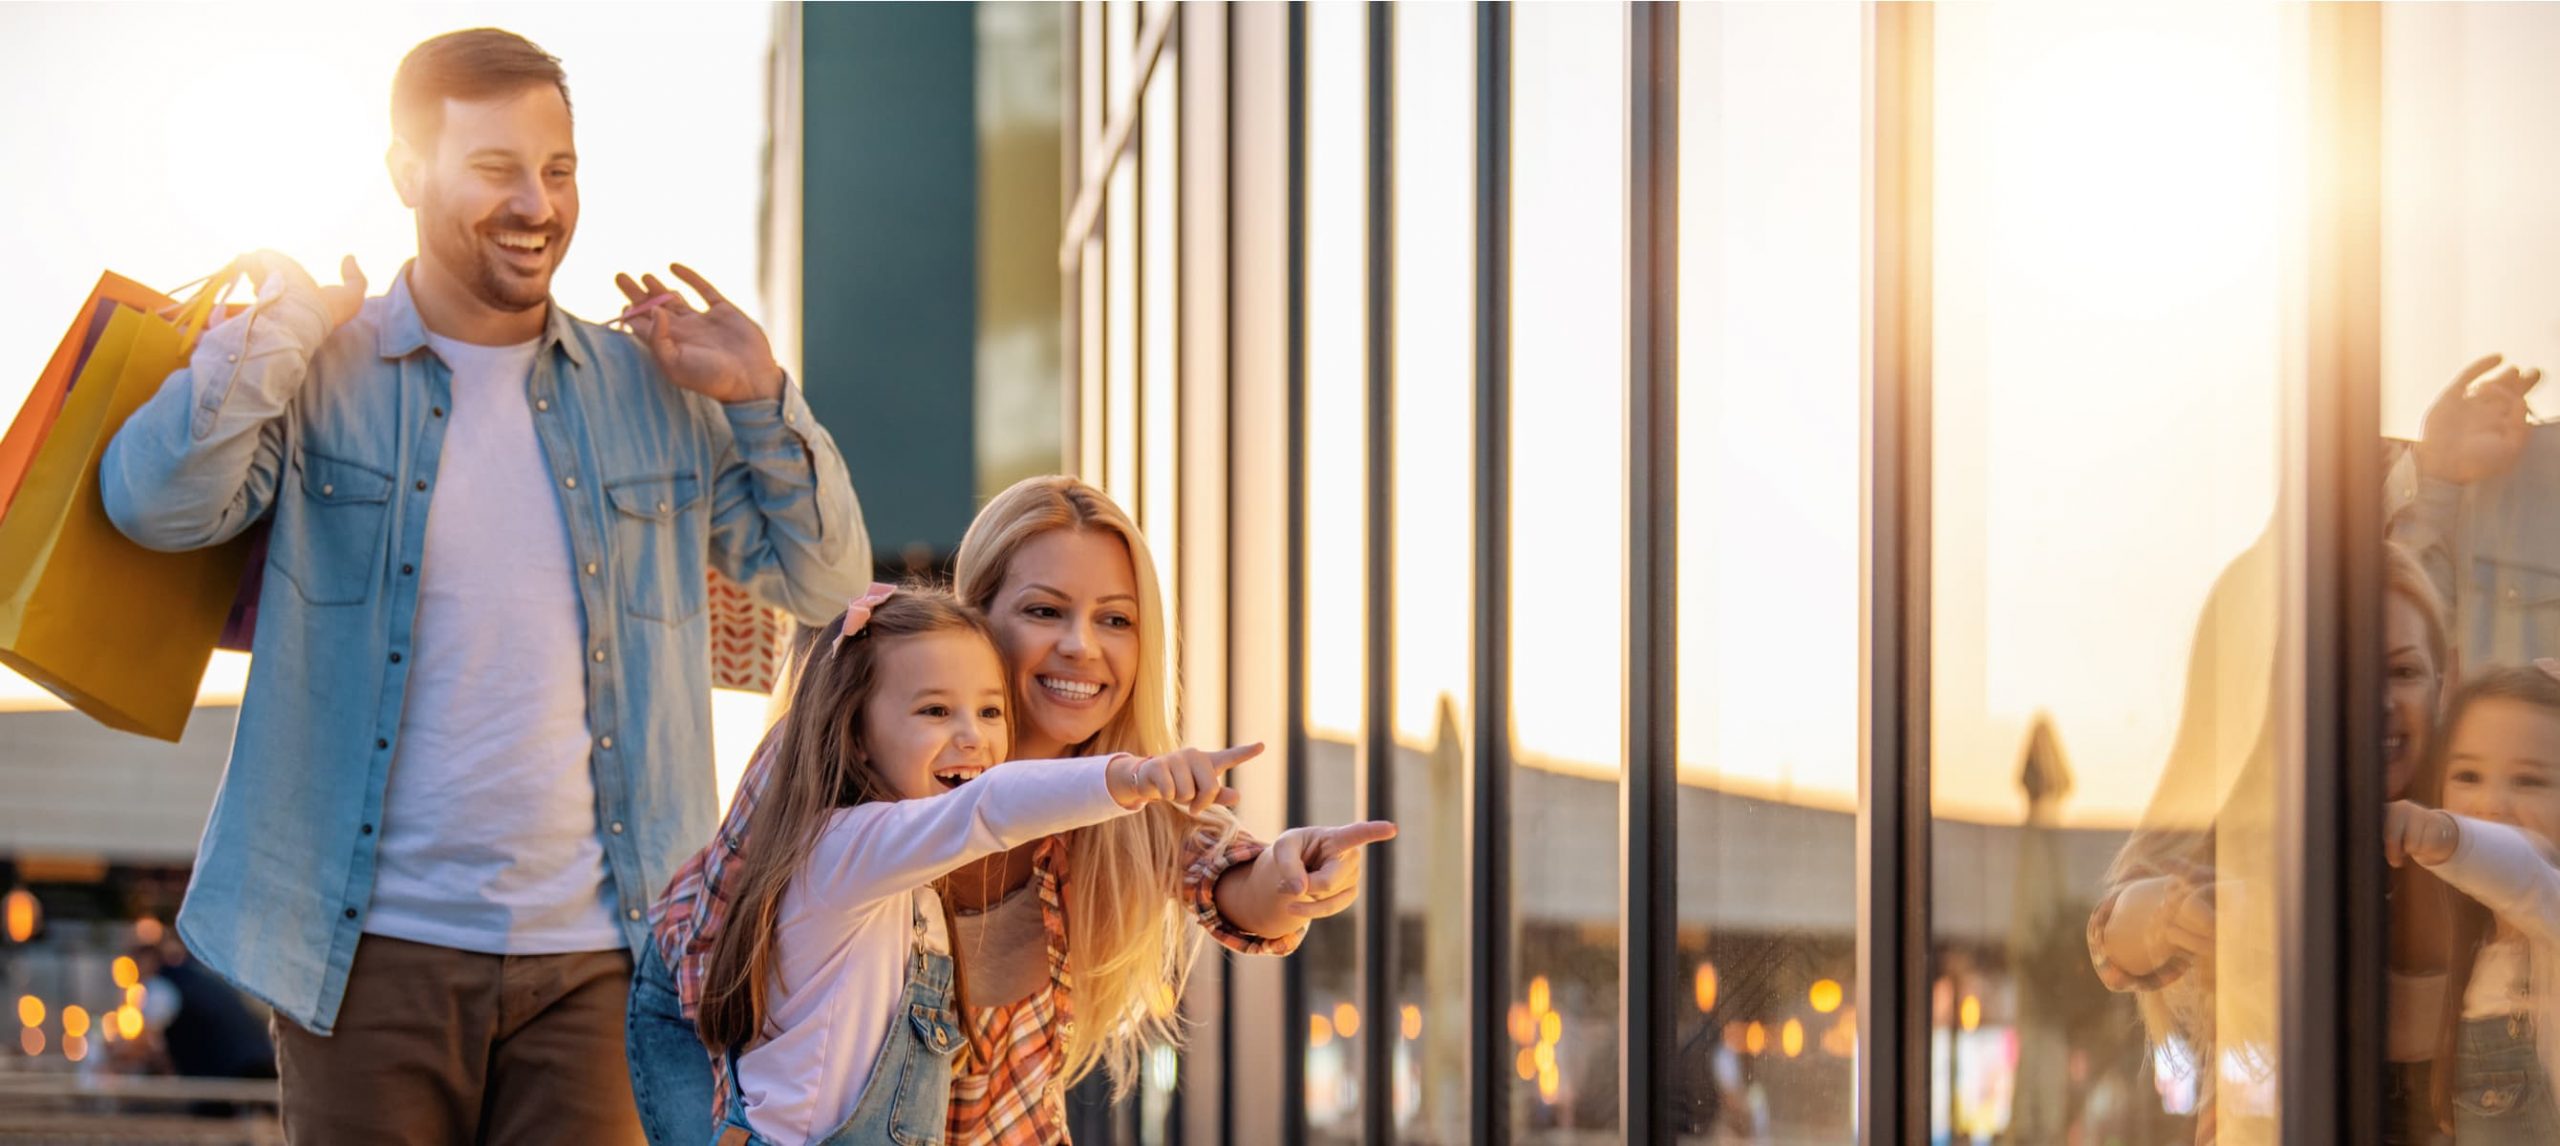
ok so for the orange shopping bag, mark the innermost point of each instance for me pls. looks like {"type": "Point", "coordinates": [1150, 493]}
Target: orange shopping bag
{"type": "Point", "coordinates": [119, 632]}
{"type": "Point", "coordinates": [44, 403]}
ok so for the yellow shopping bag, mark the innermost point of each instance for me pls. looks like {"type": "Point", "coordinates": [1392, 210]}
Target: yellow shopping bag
{"type": "Point", "coordinates": [117, 631]}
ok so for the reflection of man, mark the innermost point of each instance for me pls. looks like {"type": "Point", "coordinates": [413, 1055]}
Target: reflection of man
{"type": "Point", "coordinates": [2473, 500]}
{"type": "Point", "coordinates": [476, 736]}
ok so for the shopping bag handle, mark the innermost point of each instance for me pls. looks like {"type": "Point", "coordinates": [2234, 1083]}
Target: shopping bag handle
{"type": "Point", "coordinates": [211, 292]}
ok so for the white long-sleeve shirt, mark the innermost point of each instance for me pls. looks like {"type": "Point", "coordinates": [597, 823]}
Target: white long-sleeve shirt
{"type": "Point", "coordinates": [844, 932]}
{"type": "Point", "coordinates": [2505, 870]}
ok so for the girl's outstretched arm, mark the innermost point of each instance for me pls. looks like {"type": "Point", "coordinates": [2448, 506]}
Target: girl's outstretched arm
{"type": "Point", "coordinates": [2509, 870]}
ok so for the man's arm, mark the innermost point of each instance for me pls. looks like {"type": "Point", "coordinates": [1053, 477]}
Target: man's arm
{"type": "Point", "coordinates": [784, 522]}
{"type": "Point", "coordinates": [203, 457]}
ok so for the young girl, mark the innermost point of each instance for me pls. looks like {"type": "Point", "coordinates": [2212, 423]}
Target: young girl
{"type": "Point", "coordinates": [2493, 777]}
{"type": "Point", "coordinates": [830, 996]}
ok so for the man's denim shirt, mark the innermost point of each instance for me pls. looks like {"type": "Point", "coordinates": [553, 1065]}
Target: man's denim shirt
{"type": "Point", "coordinates": [338, 435]}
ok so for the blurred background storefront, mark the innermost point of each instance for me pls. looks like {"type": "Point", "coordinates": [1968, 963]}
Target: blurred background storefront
{"type": "Point", "coordinates": [1776, 500]}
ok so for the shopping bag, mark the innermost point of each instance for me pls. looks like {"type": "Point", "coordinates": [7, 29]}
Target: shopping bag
{"type": "Point", "coordinates": [119, 632]}
{"type": "Point", "coordinates": [746, 638]}
{"type": "Point", "coordinates": [44, 403]}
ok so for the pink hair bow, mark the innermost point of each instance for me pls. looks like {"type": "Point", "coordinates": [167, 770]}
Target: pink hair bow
{"type": "Point", "coordinates": [857, 614]}
{"type": "Point", "coordinates": [2549, 667]}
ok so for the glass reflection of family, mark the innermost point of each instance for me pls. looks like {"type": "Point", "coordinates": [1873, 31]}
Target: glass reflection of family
{"type": "Point", "coordinates": [2471, 751]}
{"type": "Point", "coordinates": [451, 846]}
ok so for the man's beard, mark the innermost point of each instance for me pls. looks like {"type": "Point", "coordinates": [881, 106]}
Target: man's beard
{"type": "Point", "coordinates": [462, 248]}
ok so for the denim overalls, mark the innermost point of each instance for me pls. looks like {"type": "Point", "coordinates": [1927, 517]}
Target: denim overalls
{"type": "Point", "coordinates": [2501, 1091]}
{"type": "Point", "coordinates": [907, 1100]}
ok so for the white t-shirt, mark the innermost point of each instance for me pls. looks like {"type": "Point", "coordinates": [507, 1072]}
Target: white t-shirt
{"type": "Point", "coordinates": [489, 828]}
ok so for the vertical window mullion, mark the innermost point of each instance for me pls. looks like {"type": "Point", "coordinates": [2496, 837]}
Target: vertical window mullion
{"type": "Point", "coordinates": [1293, 989]}
{"type": "Point", "coordinates": [1488, 851]}
{"type": "Point", "coordinates": [2332, 914]}
{"type": "Point", "coordinates": [1648, 786]}
{"type": "Point", "coordinates": [1377, 755]}
{"type": "Point", "coordinates": [1893, 812]}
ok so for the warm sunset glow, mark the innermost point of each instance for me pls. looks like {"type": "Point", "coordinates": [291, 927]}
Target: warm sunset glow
{"type": "Point", "coordinates": [164, 200]}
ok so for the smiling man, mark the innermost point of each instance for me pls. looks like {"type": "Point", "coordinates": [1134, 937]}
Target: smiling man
{"type": "Point", "coordinates": [476, 737]}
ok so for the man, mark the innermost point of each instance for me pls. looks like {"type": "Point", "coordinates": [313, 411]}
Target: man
{"type": "Point", "coordinates": [476, 739]}
{"type": "Point", "coordinates": [2472, 500]}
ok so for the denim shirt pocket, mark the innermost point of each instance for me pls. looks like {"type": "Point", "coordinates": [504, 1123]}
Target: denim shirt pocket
{"type": "Point", "coordinates": [336, 555]}
{"type": "Point", "coordinates": [658, 546]}
{"type": "Point", "coordinates": [2522, 604]}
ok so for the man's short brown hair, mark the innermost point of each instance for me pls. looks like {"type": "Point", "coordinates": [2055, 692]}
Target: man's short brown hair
{"type": "Point", "coordinates": [479, 63]}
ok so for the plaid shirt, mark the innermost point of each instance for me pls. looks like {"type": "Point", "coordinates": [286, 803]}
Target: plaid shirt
{"type": "Point", "coordinates": [1008, 1091]}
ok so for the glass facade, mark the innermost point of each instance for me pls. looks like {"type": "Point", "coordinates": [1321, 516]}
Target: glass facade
{"type": "Point", "coordinates": [2026, 546]}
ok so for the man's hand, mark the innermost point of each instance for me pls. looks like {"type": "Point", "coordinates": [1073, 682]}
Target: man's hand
{"type": "Point", "coordinates": [277, 275]}
{"type": "Point", "coordinates": [2477, 426]}
{"type": "Point", "coordinates": [717, 352]}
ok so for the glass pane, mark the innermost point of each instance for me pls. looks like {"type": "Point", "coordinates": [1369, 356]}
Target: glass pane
{"type": "Point", "coordinates": [1568, 541]}
{"type": "Point", "coordinates": [1021, 136]}
{"type": "Point", "coordinates": [1091, 104]}
{"type": "Point", "coordinates": [2111, 360]}
{"type": "Point", "coordinates": [1158, 513]}
{"type": "Point", "coordinates": [1120, 235]}
{"type": "Point", "coordinates": [1435, 263]}
{"type": "Point", "coordinates": [1771, 292]}
{"type": "Point", "coordinates": [1337, 350]}
{"type": "Point", "coordinates": [2467, 251]}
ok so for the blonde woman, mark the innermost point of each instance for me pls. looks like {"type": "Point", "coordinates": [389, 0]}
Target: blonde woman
{"type": "Point", "coordinates": [2179, 895]}
{"type": "Point", "coordinates": [1072, 947]}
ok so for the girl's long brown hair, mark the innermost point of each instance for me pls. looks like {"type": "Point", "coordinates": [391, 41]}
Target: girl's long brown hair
{"type": "Point", "coordinates": [2470, 921]}
{"type": "Point", "coordinates": [819, 767]}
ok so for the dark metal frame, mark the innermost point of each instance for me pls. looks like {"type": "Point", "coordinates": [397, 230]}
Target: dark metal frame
{"type": "Point", "coordinates": [1488, 831]}
{"type": "Point", "coordinates": [1377, 942]}
{"type": "Point", "coordinates": [1293, 990]}
{"type": "Point", "coordinates": [1893, 816]}
{"type": "Point", "coordinates": [1648, 788]}
{"type": "Point", "coordinates": [2333, 918]}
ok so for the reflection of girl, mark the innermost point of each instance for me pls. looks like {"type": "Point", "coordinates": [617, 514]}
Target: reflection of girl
{"type": "Point", "coordinates": [2179, 891]}
{"type": "Point", "coordinates": [2497, 778]}
{"type": "Point", "coordinates": [884, 778]}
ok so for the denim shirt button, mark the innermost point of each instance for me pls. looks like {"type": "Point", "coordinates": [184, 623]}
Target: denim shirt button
{"type": "Point", "coordinates": [633, 915]}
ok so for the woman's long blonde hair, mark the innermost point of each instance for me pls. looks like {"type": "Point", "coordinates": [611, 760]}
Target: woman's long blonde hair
{"type": "Point", "coordinates": [1131, 941]}
{"type": "Point", "coordinates": [2213, 811]}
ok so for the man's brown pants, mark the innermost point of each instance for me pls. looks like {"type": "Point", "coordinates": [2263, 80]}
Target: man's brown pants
{"type": "Point", "coordinates": [438, 1046]}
